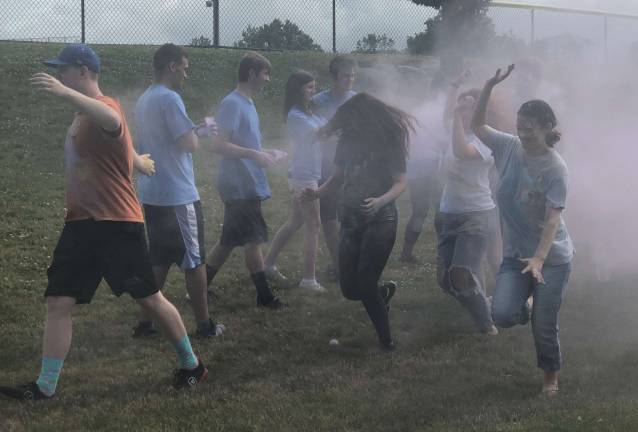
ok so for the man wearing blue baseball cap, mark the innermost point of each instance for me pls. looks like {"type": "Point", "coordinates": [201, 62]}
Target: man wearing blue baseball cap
{"type": "Point", "coordinates": [103, 234]}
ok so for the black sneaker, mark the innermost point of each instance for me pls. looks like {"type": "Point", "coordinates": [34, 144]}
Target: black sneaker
{"type": "Point", "coordinates": [26, 392]}
{"type": "Point", "coordinates": [144, 329]}
{"type": "Point", "coordinates": [387, 346]}
{"type": "Point", "coordinates": [387, 290]}
{"type": "Point", "coordinates": [274, 303]}
{"type": "Point", "coordinates": [189, 378]}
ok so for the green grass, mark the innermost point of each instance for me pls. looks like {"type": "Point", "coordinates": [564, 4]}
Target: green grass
{"type": "Point", "coordinates": [274, 371]}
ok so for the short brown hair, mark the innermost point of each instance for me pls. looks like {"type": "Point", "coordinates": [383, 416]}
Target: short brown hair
{"type": "Point", "coordinates": [252, 61]}
{"type": "Point", "coordinates": [340, 63]}
{"type": "Point", "coordinates": [167, 54]}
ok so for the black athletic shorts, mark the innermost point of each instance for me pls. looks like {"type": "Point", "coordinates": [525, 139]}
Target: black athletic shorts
{"type": "Point", "coordinates": [329, 204]}
{"type": "Point", "coordinates": [243, 223]}
{"type": "Point", "coordinates": [176, 235]}
{"type": "Point", "coordinates": [90, 250]}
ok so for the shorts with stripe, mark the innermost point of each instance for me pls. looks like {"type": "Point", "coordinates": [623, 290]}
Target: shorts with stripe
{"type": "Point", "coordinates": [176, 235]}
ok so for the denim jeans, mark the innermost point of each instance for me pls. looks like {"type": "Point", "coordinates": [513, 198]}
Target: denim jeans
{"type": "Point", "coordinates": [509, 306]}
{"type": "Point", "coordinates": [463, 240]}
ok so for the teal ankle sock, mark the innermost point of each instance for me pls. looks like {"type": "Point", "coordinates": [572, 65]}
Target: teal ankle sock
{"type": "Point", "coordinates": [185, 354]}
{"type": "Point", "coordinates": [49, 375]}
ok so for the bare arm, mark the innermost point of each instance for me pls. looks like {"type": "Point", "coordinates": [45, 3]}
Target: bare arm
{"type": "Point", "coordinates": [479, 122]}
{"type": "Point", "coordinates": [102, 114]}
{"type": "Point", "coordinates": [332, 184]}
{"type": "Point", "coordinates": [222, 146]}
{"type": "Point", "coordinates": [189, 141]}
{"type": "Point", "coordinates": [452, 95]}
{"type": "Point", "coordinates": [460, 147]}
{"type": "Point", "coordinates": [535, 264]}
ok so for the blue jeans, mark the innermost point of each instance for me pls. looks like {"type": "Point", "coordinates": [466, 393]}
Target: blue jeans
{"type": "Point", "coordinates": [509, 306]}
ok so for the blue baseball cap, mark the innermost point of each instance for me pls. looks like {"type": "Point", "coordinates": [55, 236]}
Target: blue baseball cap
{"type": "Point", "coordinates": [76, 55]}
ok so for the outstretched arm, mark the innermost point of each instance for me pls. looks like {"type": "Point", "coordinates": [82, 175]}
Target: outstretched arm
{"type": "Point", "coordinates": [479, 125]}
{"type": "Point", "coordinates": [102, 114]}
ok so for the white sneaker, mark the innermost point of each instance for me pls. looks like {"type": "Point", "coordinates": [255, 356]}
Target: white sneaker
{"type": "Point", "coordinates": [312, 285]}
{"type": "Point", "coordinates": [273, 274]}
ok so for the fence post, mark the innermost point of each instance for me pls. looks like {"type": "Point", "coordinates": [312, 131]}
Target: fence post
{"type": "Point", "coordinates": [216, 23]}
{"type": "Point", "coordinates": [606, 39]}
{"type": "Point", "coordinates": [82, 19]}
{"type": "Point", "coordinates": [334, 26]}
{"type": "Point", "coordinates": [532, 36]}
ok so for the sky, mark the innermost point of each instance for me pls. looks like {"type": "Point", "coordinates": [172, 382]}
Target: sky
{"type": "Point", "coordinates": [179, 21]}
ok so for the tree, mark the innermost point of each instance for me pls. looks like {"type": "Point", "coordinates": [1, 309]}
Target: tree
{"type": "Point", "coordinates": [277, 35]}
{"type": "Point", "coordinates": [201, 41]}
{"type": "Point", "coordinates": [373, 43]}
{"type": "Point", "coordinates": [460, 27]}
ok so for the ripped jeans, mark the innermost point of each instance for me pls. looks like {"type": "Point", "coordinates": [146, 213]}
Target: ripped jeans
{"type": "Point", "coordinates": [462, 248]}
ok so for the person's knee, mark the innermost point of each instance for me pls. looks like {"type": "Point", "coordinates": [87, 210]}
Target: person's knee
{"type": "Point", "coordinates": [505, 316]}
{"type": "Point", "coordinates": [152, 302]}
{"type": "Point", "coordinates": [60, 306]}
{"type": "Point", "coordinates": [463, 281]}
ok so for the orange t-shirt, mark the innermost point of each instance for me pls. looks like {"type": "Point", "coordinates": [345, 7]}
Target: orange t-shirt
{"type": "Point", "coordinates": [99, 171]}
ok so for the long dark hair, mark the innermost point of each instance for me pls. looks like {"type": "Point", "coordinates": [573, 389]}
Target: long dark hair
{"type": "Point", "coordinates": [543, 114]}
{"type": "Point", "coordinates": [381, 127]}
{"type": "Point", "coordinates": [294, 91]}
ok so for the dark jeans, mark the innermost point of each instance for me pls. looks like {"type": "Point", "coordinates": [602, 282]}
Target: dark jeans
{"type": "Point", "coordinates": [364, 249]}
{"type": "Point", "coordinates": [463, 240]}
{"type": "Point", "coordinates": [425, 193]}
{"type": "Point", "coordinates": [509, 306]}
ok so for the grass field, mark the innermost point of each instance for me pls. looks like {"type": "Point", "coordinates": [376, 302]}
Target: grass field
{"type": "Point", "coordinates": [274, 371]}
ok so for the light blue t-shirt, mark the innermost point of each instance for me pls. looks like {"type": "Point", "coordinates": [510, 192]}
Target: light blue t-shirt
{"type": "Point", "coordinates": [326, 106]}
{"type": "Point", "coordinates": [305, 163]}
{"type": "Point", "coordinates": [161, 120]}
{"type": "Point", "coordinates": [528, 185]}
{"type": "Point", "coordinates": [466, 182]}
{"type": "Point", "coordinates": [238, 122]}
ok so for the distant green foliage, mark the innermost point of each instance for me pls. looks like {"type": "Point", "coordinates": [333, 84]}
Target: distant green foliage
{"type": "Point", "coordinates": [284, 35]}
{"type": "Point", "coordinates": [201, 41]}
{"type": "Point", "coordinates": [374, 43]}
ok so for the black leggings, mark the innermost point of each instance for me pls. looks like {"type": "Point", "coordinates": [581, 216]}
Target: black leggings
{"type": "Point", "coordinates": [364, 250]}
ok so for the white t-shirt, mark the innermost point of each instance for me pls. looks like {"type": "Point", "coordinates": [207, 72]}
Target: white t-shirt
{"type": "Point", "coordinates": [466, 183]}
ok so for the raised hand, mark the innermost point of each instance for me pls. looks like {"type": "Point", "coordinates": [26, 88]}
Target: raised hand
{"type": "Point", "coordinates": [498, 78]}
{"type": "Point", "coordinates": [48, 83]}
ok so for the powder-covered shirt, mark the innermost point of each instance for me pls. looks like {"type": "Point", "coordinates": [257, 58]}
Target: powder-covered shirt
{"type": "Point", "coordinates": [528, 186]}
{"type": "Point", "coordinates": [98, 170]}
{"type": "Point", "coordinates": [466, 182]}
{"type": "Point", "coordinates": [305, 163]}
{"type": "Point", "coordinates": [240, 179]}
{"type": "Point", "coordinates": [161, 120]}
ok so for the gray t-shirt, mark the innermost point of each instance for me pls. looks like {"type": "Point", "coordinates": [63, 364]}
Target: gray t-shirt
{"type": "Point", "coordinates": [466, 182]}
{"type": "Point", "coordinates": [528, 185]}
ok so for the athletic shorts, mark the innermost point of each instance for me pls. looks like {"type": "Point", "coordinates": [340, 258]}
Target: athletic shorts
{"type": "Point", "coordinates": [297, 186]}
{"type": "Point", "coordinates": [243, 223]}
{"type": "Point", "coordinates": [176, 235]}
{"type": "Point", "coordinates": [90, 250]}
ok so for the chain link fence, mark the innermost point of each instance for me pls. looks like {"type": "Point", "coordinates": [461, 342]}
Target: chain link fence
{"type": "Point", "coordinates": [331, 25]}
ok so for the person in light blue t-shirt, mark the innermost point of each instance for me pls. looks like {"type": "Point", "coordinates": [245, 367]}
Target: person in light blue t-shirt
{"type": "Point", "coordinates": [343, 70]}
{"type": "Point", "coordinates": [241, 179]}
{"type": "Point", "coordinates": [172, 208]}
{"type": "Point", "coordinates": [305, 172]}
{"type": "Point", "coordinates": [537, 249]}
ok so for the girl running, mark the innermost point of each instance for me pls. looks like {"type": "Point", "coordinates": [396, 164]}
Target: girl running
{"type": "Point", "coordinates": [537, 249]}
{"type": "Point", "coordinates": [370, 164]}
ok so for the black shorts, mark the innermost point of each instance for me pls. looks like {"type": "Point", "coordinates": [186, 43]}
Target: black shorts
{"type": "Point", "coordinates": [176, 235]}
{"type": "Point", "coordinates": [90, 250]}
{"type": "Point", "coordinates": [243, 223]}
